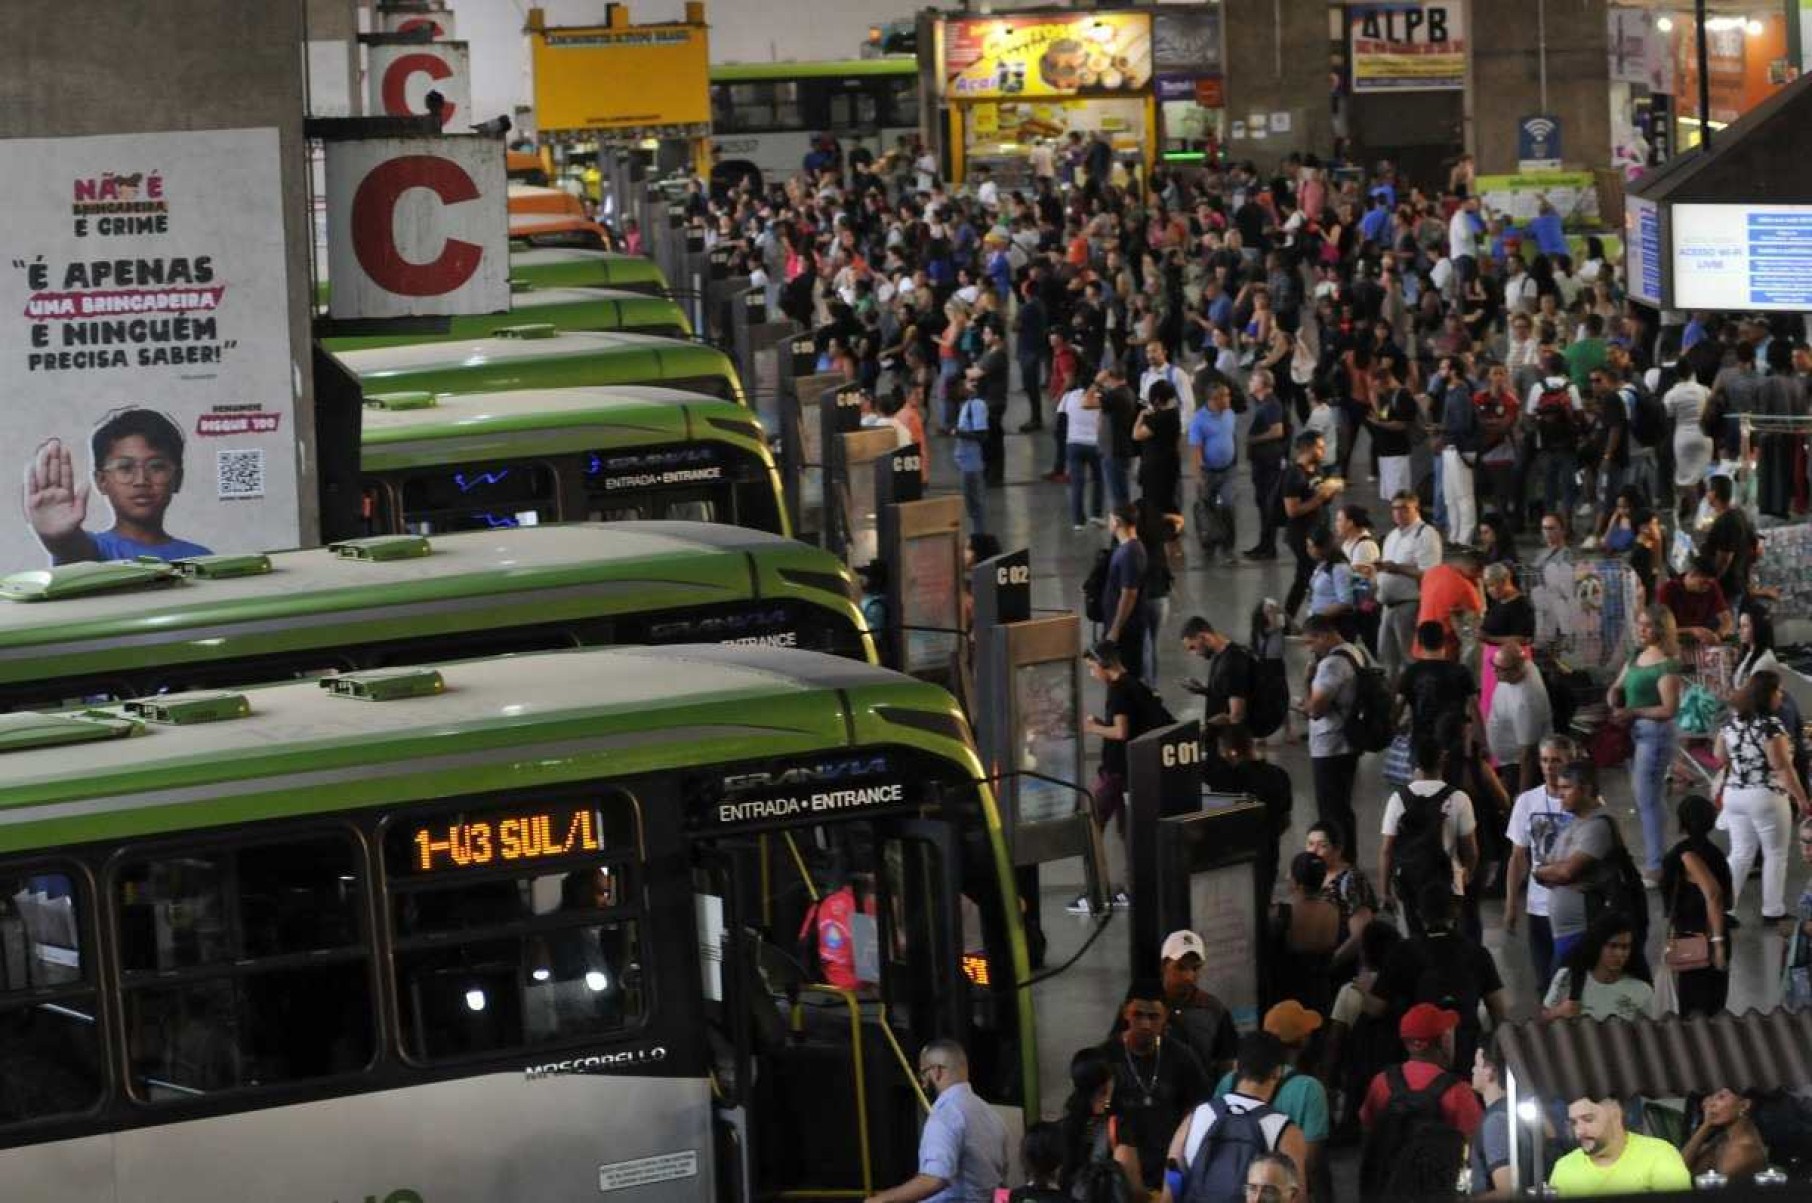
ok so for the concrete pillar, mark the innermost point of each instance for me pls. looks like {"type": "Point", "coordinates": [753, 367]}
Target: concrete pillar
{"type": "Point", "coordinates": [71, 68]}
{"type": "Point", "coordinates": [1506, 78]}
{"type": "Point", "coordinates": [1277, 62]}
{"type": "Point", "coordinates": [335, 88]}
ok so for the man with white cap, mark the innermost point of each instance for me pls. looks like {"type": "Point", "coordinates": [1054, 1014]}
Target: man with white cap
{"type": "Point", "coordinates": [1197, 1018]}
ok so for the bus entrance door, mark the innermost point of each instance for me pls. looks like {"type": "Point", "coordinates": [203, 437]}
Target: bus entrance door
{"type": "Point", "coordinates": [830, 955]}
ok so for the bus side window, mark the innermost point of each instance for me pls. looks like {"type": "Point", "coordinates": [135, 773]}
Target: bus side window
{"type": "Point", "coordinates": [50, 1041]}
{"type": "Point", "coordinates": [271, 943]}
{"type": "Point", "coordinates": [498, 948]}
{"type": "Point", "coordinates": [698, 510]}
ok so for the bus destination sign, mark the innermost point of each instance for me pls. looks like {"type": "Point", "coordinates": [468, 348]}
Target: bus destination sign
{"type": "Point", "coordinates": [517, 836]}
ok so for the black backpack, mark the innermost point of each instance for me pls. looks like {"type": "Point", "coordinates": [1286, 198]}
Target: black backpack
{"type": "Point", "coordinates": [1369, 726]}
{"type": "Point", "coordinates": [1269, 704]}
{"type": "Point", "coordinates": [1648, 417]}
{"type": "Point", "coordinates": [1419, 856]}
{"type": "Point", "coordinates": [1225, 1142]}
{"type": "Point", "coordinates": [1409, 1117]}
{"type": "Point", "coordinates": [1443, 981]}
{"type": "Point", "coordinates": [1615, 884]}
{"type": "Point", "coordinates": [1094, 587]}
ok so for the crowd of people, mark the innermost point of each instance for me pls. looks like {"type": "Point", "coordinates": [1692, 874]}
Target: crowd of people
{"type": "Point", "coordinates": [1227, 351]}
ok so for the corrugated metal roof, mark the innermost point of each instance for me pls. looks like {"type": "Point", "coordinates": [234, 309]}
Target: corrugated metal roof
{"type": "Point", "coordinates": [1663, 1058]}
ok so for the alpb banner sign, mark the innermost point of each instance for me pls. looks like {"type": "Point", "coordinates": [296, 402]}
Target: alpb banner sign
{"type": "Point", "coordinates": [1407, 47]}
{"type": "Point", "coordinates": [146, 340]}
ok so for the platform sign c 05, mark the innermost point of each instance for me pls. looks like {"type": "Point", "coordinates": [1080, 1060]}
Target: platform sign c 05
{"type": "Point", "coordinates": [628, 79]}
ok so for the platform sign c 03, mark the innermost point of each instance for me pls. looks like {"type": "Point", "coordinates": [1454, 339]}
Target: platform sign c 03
{"type": "Point", "coordinates": [146, 339]}
{"type": "Point", "coordinates": [636, 79]}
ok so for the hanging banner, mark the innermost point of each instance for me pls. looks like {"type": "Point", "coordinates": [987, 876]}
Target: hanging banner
{"type": "Point", "coordinates": [1023, 55]}
{"type": "Point", "coordinates": [636, 81]}
{"type": "Point", "coordinates": [417, 226]}
{"type": "Point", "coordinates": [1639, 53]}
{"type": "Point", "coordinates": [151, 380]}
{"type": "Point", "coordinates": [1407, 47]}
{"type": "Point", "coordinates": [401, 76]}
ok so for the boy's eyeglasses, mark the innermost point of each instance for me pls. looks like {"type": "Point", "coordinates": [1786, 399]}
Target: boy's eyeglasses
{"type": "Point", "coordinates": [158, 470]}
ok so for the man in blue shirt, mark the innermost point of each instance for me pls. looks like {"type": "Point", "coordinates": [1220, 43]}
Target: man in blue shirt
{"type": "Point", "coordinates": [963, 1147]}
{"type": "Point", "coordinates": [1213, 433]}
{"type": "Point", "coordinates": [1125, 617]}
{"type": "Point", "coordinates": [1374, 227]}
{"type": "Point", "coordinates": [971, 433]}
{"type": "Point", "coordinates": [137, 468]}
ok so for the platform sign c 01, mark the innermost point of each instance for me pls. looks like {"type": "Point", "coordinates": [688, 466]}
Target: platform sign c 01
{"type": "Point", "coordinates": [147, 344]}
{"type": "Point", "coordinates": [417, 226]}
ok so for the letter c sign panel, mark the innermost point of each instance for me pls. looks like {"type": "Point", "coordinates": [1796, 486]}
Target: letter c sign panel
{"type": "Point", "coordinates": [401, 77]}
{"type": "Point", "coordinates": [416, 227]}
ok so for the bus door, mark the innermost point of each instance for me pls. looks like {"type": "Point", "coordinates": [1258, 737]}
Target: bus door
{"type": "Point", "coordinates": [830, 955]}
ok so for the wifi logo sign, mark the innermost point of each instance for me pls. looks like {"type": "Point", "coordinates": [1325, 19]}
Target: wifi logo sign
{"type": "Point", "coordinates": [1539, 139]}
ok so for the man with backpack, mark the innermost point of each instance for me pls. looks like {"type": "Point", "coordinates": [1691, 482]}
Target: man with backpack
{"type": "Point", "coordinates": [1556, 411]}
{"type": "Point", "coordinates": [1649, 429]}
{"type": "Point", "coordinates": [1590, 870]}
{"type": "Point", "coordinates": [1444, 967]}
{"type": "Point", "coordinates": [1407, 1105]}
{"type": "Point", "coordinates": [1229, 692]}
{"type": "Point", "coordinates": [1216, 1144]}
{"type": "Point", "coordinates": [1430, 836]}
{"type": "Point", "coordinates": [1348, 707]}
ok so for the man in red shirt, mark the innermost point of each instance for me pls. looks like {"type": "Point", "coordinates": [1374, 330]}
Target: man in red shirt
{"type": "Point", "coordinates": [1700, 609]}
{"type": "Point", "coordinates": [1449, 588]}
{"type": "Point", "coordinates": [1427, 1033]}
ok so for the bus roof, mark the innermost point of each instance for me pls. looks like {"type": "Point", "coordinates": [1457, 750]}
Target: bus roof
{"type": "Point", "coordinates": [893, 64]}
{"type": "Point", "coordinates": [539, 358]}
{"type": "Point", "coordinates": [547, 267]}
{"type": "Point", "coordinates": [514, 722]}
{"type": "Point", "coordinates": [513, 575]}
{"type": "Point", "coordinates": [506, 424]}
{"type": "Point", "coordinates": [599, 309]}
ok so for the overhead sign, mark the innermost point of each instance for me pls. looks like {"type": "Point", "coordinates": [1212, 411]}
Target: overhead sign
{"type": "Point", "coordinates": [401, 76]}
{"type": "Point", "coordinates": [1742, 257]}
{"type": "Point", "coordinates": [146, 343]}
{"type": "Point", "coordinates": [1538, 143]}
{"type": "Point", "coordinates": [1187, 42]}
{"type": "Point", "coordinates": [637, 80]}
{"type": "Point", "coordinates": [1407, 47]}
{"type": "Point", "coordinates": [988, 58]}
{"type": "Point", "coordinates": [417, 226]}
{"type": "Point", "coordinates": [1642, 249]}
{"type": "Point", "coordinates": [437, 21]}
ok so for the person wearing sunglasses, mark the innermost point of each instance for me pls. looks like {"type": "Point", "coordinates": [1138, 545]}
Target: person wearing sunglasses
{"type": "Point", "coordinates": [137, 468]}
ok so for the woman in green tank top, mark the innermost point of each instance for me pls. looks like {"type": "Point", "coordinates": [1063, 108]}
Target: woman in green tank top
{"type": "Point", "coordinates": [1646, 694]}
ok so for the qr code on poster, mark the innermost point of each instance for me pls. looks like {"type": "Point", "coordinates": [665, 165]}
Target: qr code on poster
{"type": "Point", "coordinates": [241, 474]}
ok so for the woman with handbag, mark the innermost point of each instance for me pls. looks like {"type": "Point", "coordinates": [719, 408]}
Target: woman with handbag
{"type": "Point", "coordinates": [1695, 886]}
{"type": "Point", "coordinates": [1761, 791]}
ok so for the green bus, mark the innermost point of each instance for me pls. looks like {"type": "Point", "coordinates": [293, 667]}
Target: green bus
{"type": "Point", "coordinates": [565, 267]}
{"type": "Point", "coordinates": [538, 357]}
{"type": "Point", "coordinates": [519, 928]}
{"type": "Point", "coordinates": [561, 308]}
{"type": "Point", "coordinates": [121, 630]}
{"type": "Point", "coordinates": [530, 457]}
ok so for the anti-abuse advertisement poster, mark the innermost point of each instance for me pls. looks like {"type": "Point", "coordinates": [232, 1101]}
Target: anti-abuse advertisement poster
{"type": "Point", "coordinates": [144, 329]}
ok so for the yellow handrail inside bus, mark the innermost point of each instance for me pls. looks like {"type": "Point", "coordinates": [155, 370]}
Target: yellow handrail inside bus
{"type": "Point", "coordinates": [805, 874]}
{"type": "Point", "coordinates": [899, 1055]}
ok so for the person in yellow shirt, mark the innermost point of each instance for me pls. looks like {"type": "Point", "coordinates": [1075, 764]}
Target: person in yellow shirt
{"type": "Point", "coordinates": [1611, 1160]}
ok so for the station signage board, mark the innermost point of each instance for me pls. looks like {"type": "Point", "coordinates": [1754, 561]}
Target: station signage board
{"type": "Point", "coordinates": [417, 226]}
{"type": "Point", "coordinates": [401, 76]}
{"type": "Point", "coordinates": [1407, 47]}
{"type": "Point", "coordinates": [147, 340]}
{"type": "Point", "coordinates": [629, 80]}
{"type": "Point", "coordinates": [1743, 257]}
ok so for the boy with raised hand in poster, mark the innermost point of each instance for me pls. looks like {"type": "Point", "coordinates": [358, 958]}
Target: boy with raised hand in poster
{"type": "Point", "coordinates": [137, 468]}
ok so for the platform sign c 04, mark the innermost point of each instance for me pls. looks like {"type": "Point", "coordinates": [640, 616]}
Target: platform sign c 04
{"type": "Point", "coordinates": [622, 79]}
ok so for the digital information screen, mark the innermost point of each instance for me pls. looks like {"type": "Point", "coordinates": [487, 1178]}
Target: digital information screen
{"type": "Point", "coordinates": [928, 591]}
{"type": "Point", "coordinates": [518, 835]}
{"type": "Point", "coordinates": [1045, 700]}
{"type": "Point", "coordinates": [1742, 257]}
